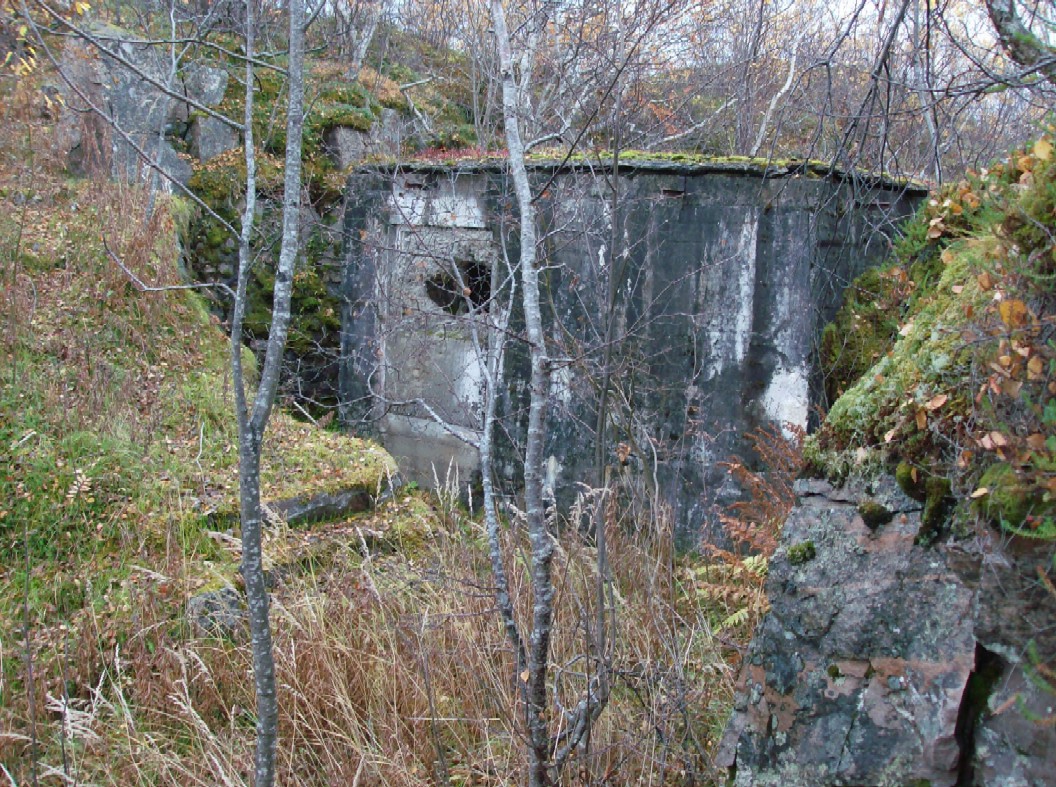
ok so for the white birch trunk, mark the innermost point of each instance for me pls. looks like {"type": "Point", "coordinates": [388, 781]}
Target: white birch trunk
{"type": "Point", "coordinates": [251, 425]}
{"type": "Point", "coordinates": [542, 544]}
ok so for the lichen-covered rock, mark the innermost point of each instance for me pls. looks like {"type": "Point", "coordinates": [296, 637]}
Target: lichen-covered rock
{"type": "Point", "coordinates": [218, 613]}
{"type": "Point", "coordinates": [884, 661]}
{"type": "Point", "coordinates": [1013, 746]}
{"type": "Point", "coordinates": [205, 83]}
{"type": "Point", "coordinates": [210, 137]}
{"type": "Point", "coordinates": [856, 675]}
{"type": "Point", "coordinates": [116, 112]}
{"type": "Point", "coordinates": [348, 146]}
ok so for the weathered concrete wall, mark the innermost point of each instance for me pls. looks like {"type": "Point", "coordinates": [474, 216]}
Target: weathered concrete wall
{"type": "Point", "coordinates": [725, 274]}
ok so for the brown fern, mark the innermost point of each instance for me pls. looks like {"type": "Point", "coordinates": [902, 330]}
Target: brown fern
{"type": "Point", "coordinates": [754, 523]}
{"type": "Point", "coordinates": [734, 586]}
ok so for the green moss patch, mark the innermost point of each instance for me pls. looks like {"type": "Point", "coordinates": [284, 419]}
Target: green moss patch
{"type": "Point", "coordinates": [943, 361]}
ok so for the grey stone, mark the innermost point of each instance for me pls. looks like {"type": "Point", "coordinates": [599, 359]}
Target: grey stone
{"type": "Point", "coordinates": [1014, 746]}
{"type": "Point", "coordinates": [206, 84]}
{"type": "Point", "coordinates": [863, 658]}
{"type": "Point", "coordinates": [324, 505]}
{"type": "Point", "coordinates": [209, 137]}
{"type": "Point", "coordinates": [876, 659]}
{"type": "Point", "coordinates": [348, 146]}
{"type": "Point", "coordinates": [219, 613]}
{"type": "Point", "coordinates": [141, 113]}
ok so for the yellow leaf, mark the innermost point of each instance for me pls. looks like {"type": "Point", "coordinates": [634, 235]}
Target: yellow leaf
{"type": "Point", "coordinates": [922, 419]}
{"type": "Point", "coordinates": [985, 281]}
{"type": "Point", "coordinates": [979, 492]}
{"type": "Point", "coordinates": [525, 675]}
{"type": "Point", "coordinates": [998, 439]}
{"type": "Point", "coordinates": [947, 256]}
{"type": "Point", "coordinates": [1013, 313]}
{"type": "Point", "coordinates": [1043, 149]}
{"type": "Point", "coordinates": [890, 435]}
{"type": "Point", "coordinates": [1035, 367]}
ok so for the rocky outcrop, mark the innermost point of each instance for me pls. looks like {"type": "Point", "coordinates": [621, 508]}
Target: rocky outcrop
{"type": "Point", "coordinates": [124, 102]}
{"type": "Point", "coordinates": [348, 146]}
{"type": "Point", "coordinates": [884, 662]}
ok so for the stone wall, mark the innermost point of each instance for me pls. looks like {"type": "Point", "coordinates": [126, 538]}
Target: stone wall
{"type": "Point", "coordinates": [725, 274]}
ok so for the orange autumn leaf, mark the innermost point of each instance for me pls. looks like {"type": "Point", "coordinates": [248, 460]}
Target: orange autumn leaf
{"type": "Point", "coordinates": [1013, 312]}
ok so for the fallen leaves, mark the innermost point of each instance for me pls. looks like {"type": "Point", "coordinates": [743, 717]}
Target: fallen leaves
{"type": "Point", "coordinates": [936, 402]}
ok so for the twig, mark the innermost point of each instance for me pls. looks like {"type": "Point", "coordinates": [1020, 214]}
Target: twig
{"type": "Point", "coordinates": [143, 287]}
{"type": "Point", "coordinates": [30, 688]}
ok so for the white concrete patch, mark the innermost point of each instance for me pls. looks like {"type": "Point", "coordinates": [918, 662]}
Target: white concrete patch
{"type": "Point", "coordinates": [553, 473]}
{"type": "Point", "coordinates": [469, 389]}
{"type": "Point", "coordinates": [787, 398]}
{"type": "Point", "coordinates": [742, 326]}
{"type": "Point", "coordinates": [729, 286]}
{"type": "Point", "coordinates": [456, 210]}
{"type": "Point", "coordinates": [407, 205]}
{"type": "Point", "coordinates": [561, 384]}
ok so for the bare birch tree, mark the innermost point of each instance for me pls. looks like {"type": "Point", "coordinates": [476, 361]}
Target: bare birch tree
{"type": "Point", "coordinates": [252, 423]}
{"type": "Point", "coordinates": [545, 755]}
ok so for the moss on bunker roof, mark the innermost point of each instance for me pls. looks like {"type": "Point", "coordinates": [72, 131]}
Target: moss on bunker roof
{"type": "Point", "coordinates": [633, 162]}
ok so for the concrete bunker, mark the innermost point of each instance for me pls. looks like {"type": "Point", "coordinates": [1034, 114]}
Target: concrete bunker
{"type": "Point", "coordinates": [725, 274]}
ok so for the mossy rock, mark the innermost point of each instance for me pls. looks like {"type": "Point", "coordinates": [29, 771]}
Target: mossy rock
{"type": "Point", "coordinates": [874, 514]}
{"type": "Point", "coordinates": [938, 505]}
{"type": "Point", "coordinates": [1010, 499]}
{"type": "Point", "coordinates": [911, 480]}
{"type": "Point", "coordinates": [798, 554]}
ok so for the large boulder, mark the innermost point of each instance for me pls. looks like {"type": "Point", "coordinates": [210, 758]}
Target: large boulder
{"type": "Point", "coordinates": [209, 137]}
{"type": "Point", "coordinates": [349, 146]}
{"type": "Point", "coordinates": [117, 112]}
{"type": "Point", "coordinates": [878, 658]}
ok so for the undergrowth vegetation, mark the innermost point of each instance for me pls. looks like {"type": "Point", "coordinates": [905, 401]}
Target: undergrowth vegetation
{"type": "Point", "coordinates": [117, 500]}
{"type": "Point", "coordinates": [945, 361]}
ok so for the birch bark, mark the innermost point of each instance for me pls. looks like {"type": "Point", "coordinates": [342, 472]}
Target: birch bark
{"type": "Point", "coordinates": [253, 423]}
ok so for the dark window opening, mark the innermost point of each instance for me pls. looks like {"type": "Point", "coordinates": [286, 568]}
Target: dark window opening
{"type": "Point", "coordinates": [454, 296]}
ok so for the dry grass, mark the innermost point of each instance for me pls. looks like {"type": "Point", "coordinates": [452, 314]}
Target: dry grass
{"type": "Point", "coordinates": [393, 665]}
{"type": "Point", "coordinates": [394, 670]}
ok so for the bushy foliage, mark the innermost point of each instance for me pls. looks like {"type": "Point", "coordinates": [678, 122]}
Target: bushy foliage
{"type": "Point", "coordinates": [955, 352]}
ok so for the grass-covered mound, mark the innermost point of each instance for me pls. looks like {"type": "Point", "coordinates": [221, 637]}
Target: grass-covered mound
{"type": "Point", "coordinates": [944, 363]}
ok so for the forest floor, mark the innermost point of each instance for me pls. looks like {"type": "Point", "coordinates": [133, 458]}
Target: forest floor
{"type": "Point", "coordinates": [118, 506]}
